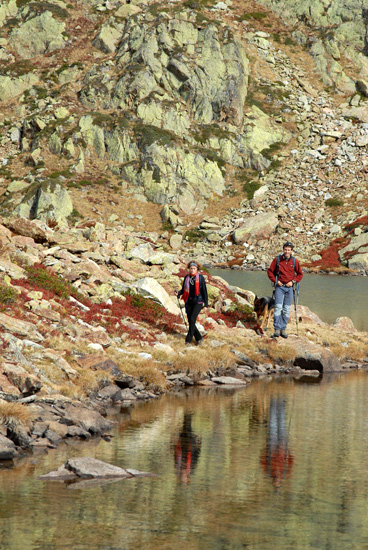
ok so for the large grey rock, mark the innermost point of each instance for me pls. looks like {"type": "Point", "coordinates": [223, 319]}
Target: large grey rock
{"type": "Point", "coordinates": [46, 201]}
{"type": "Point", "coordinates": [12, 269]}
{"type": "Point", "coordinates": [359, 262]}
{"type": "Point", "coordinates": [345, 17]}
{"type": "Point", "coordinates": [310, 356]}
{"type": "Point", "coordinates": [151, 288]}
{"type": "Point", "coordinates": [88, 468]}
{"type": "Point", "coordinates": [11, 87]}
{"type": "Point", "coordinates": [358, 242]}
{"type": "Point", "coordinates": [108, 38]}
{"type": "Point", "coordinates": [258, 227]}
{"type": "Point", "coordinates": [88, 419]}
{"type": "Point", "coordinates": [7, 449]}
{"type": "Point", "coordinates": [30, 228]}
{"type": "Point", "coordinates": [228, 380]}
{"type": "Point", "coordinates": [38, 35]}
{"type": "Point", "coordinates": [344, 324]}
{"type": "Point", "coordinates": [23, 328]}
{"type": "Point", "coordinates": [28, 384]}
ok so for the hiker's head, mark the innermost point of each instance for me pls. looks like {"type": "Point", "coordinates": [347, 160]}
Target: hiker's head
{"type": "Point", "coordinates": [288, 248]}
{"type": "Point", "coordinates": [193, 267]}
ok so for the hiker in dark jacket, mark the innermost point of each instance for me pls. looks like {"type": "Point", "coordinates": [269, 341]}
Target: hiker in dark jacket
{"type": "Point", "coordinates": [284, 271]}
{"type": "Point", "coordinates": [194, 294]}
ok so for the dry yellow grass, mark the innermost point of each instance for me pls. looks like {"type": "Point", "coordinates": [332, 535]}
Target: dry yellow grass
{"type": "Point", "coordinates": [281, 353]}
{"type": "Point", "coordinates": [13, 414]}
{"type": "Point", "coordinates": [199, 361]}
{"type": "Point", "coordinates": [148, 371]}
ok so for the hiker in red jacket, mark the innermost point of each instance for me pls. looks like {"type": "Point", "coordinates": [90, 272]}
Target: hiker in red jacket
{"type": "Point", "coordinates": [284, 271]}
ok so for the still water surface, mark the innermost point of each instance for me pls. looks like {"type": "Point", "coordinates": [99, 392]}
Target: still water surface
{"type": "Point", "coordinates": [329, 296]}
{"type": "Point", "coordinates": [278, 465]}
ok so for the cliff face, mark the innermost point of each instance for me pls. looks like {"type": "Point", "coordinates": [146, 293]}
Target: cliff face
{"type": "Point", "coordinates": [342, 30]}
{"type": "Point", "coordinates": [210, 114]}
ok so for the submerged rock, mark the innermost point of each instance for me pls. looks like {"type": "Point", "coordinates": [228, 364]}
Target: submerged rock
{"type": "Point", "coordinates": [88, 468]}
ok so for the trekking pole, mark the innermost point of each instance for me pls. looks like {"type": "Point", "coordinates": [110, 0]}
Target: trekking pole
{"type": "Point", "coordinates": [296, 300]}
{"type": "Point", "coordinates": [182, 314]}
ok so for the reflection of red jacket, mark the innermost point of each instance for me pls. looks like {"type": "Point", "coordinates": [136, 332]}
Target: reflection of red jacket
{"type": "Point", "coordinates": [286, 270]}
{"type": "Point", "coordinates": [278, 463]}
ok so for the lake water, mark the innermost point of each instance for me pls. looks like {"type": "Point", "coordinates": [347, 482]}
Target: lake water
{"type": "Point", "coordinates": [280, 464]}
{"type": "Point", "coordinates": [329, 296]}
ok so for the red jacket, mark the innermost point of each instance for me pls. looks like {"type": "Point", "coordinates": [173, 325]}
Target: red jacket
{"type": "Point", "coordinates": [286, 270]}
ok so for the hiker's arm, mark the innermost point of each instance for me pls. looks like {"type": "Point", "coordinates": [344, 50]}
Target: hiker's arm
{"type": "Point", "coordinates": [180, 292]}
{"type": "Point", "coordinates": [204, 293]}
{"type": "Point", "coordinates": [271, 271]}
{"type": "Point", "coordinates": [299, 272]}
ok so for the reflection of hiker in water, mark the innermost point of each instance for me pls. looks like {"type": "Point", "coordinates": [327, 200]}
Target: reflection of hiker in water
{"type": "Point", "coordinates": [277, 460]}
{"type": "Point", "coordinates": [187, 450]}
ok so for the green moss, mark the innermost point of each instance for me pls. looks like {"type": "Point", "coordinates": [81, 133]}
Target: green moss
{"type": "Point", "coordinates": [208, 131]}
{"type": "Point", "coordinates": [146, 135]}
{"type": "Point", "coordinates": [18, 68]}
{"type": "Point", "coordinates": [57, 11]}
{"type": "Point", "coordinates": [272, 149]}
{"type": "Point", "coordinates": [283, 39]}
{"type": "Point", "coordinates": [250, 188]}
{"type": "Point", "coordinates": [42, 93]}
{"type": "Point", "coordinates": [104, 120]}
{"type": "Point", "coordinates": [243, 310]}
{"type": "Point", "coordinates": [198, 4]}
{"type": "Point", "coordinates": [47, 280]}
{"type": "Point", "coordinates": [22, 3]}
{"type": "Point", "coordinates": [8, 295]}
{"type": "Point", "coordinates": [64, 173]}
{"type": "Point", "coordinates": [156, 9]}
{"type": "Point", "coordinates": [250, 185]}
{"type": "Point", "coordinates": [334, 202]}
{"type": "Point", "coordinates": [194, 235]}
{"type": "Point", "coordinates": [256, 15]}
{"type": "Point", "coordinates": [167, 226]}
{"type": "Point", "coordinates": [75, 216]}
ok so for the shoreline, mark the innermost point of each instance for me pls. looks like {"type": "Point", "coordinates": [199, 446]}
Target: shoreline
{"type": "Point", "coordinates": [54, 421]}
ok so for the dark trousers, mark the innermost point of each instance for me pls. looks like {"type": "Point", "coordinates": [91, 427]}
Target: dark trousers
{"type": "Point", "coordinates": [192, 309]}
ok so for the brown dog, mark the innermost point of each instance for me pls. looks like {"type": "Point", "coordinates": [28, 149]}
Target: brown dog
{"type": "Point", "coordinates": [264, 307]}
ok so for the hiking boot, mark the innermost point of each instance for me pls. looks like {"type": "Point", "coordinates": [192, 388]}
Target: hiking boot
{"type": "Point", "coordinates": [276, 334]}
{"type": "Point", "coordinates": [200, 342]}
{"type": "Point", "coordinates": [188, 344]}
{"type": "Point", "coordinates": [283, 333]}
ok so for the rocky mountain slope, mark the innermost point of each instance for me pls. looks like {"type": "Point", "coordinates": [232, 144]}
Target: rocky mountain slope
{"type": "Point", "coordinates": [233, 125]}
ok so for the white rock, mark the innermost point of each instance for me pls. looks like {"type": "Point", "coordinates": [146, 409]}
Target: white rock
{"type": "Point", "coordinates": [152, 289]}
{"type": "Point", "coordinates": [96, 347]}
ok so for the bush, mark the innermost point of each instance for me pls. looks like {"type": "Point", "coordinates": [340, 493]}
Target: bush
{"type": "Point", "coordinates": [250, 187]}
{"type": "Point", "coordinates": [194, 235]}
{"type": "Point", "coordinates": [52, 282]}
{"type": "Point", "coordinates": [8, 295]}
{"type": "Point", "coordinates": [333, 202]}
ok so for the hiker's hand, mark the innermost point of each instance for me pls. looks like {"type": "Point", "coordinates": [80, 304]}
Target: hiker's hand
{"type": "Point", "coordinates": [204, 310]}
{"type": "Point", "coordinates": [279, 283]}
{"type": "Point", "coordinates": [289, 284]}
{"type": "Point", "coordinates": [176, 292]}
